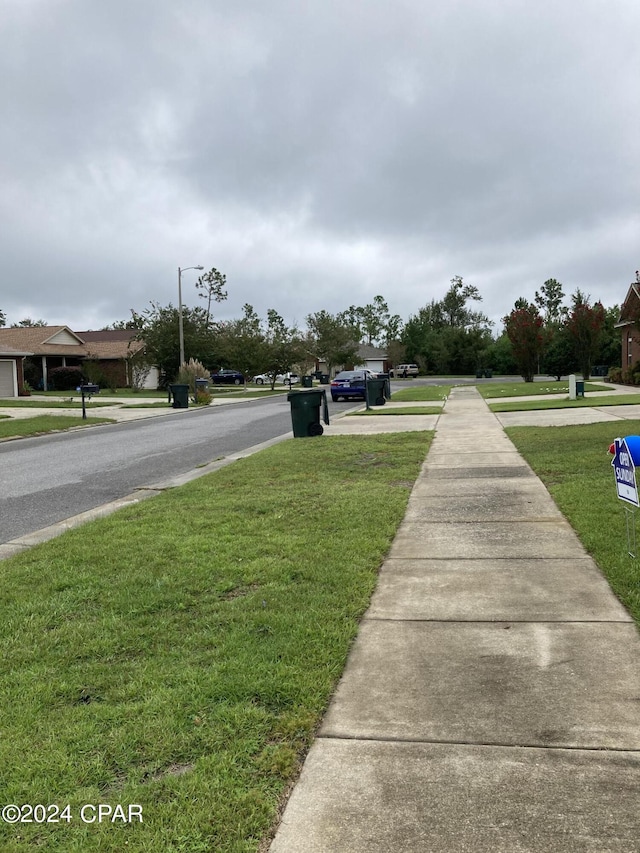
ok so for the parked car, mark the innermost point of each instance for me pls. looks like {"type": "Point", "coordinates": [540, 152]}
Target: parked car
{"type": "Point", "coordinates": [404, 370]}
{"type": "Point", "coordinates": [283, 378]}
{"type": "Point", "coordinates": [349, 383]}
{"type": "Point", "coordinates": [227, 377]}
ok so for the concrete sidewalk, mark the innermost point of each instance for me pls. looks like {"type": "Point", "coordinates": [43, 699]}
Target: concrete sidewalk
{"type": "Point", "coordinates": [491, 701]}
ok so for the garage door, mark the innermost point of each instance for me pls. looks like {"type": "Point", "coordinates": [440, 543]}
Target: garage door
{"type": "Point", "coordinates": [7, 388]}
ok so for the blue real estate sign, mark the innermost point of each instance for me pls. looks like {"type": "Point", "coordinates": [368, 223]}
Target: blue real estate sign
{"type": "Point", "coordinates": [625, 471]}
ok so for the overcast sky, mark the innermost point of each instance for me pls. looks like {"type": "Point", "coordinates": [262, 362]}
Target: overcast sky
{"type": "Point", "coordinates": [318, 152]}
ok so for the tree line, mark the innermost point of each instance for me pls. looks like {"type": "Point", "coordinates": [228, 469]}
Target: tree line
{"type": "Point", "coordinates": [448, 336]}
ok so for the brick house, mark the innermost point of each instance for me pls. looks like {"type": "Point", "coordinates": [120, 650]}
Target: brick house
{"type": "Point", "coordinates": [629, 325]}
{"type": "Point", "coordinates": [11, 370]}
{"type": "Point", "coordinates": [47, 347]}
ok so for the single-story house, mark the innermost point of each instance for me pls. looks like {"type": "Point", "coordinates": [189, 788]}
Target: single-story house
{"type": "Point", "coordinates": [368, 357]}
{"type": "Point", "coordinates": [48, 347]}
{"type": "Point", "coordinates": [115, 350]}
{"type": "Point", "coordinates": [629, 324]}
{"type": "Point", "coordinates": [11, 372]}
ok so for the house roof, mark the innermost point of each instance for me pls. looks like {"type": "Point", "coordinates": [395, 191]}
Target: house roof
{"type": "Point", "coordinates": [367, 351]}
{"type": "Point", "coordinates": [46, 340]}
{"type": "Point", "coordinates": [40, 340]}
{"type": "Point", "coordinates": [111, 343]}
{"type": "Point", "coordinates": [630, 308]}
{"type": "Point", "coordinates": [12, 353]}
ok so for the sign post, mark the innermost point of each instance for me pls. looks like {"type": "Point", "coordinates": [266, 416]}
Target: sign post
{"type": "Point", "coordinates": [624, 470]}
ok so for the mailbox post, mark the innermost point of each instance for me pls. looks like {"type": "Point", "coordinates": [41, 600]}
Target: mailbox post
{"type": "Point", "coordinates": [87, 391]}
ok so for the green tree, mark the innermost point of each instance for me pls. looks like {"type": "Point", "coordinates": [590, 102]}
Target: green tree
{"type": "Point", "coordinates": [160, 333]}
{"type": "Point", "coordinates": [610, 346]}
{"type": "Point", "coordinates": [559, 356]}
{"type": "Point", "coordinates": [3, 319]}
{"type": "Point", "coordinates": [136, 322]}
{"type": "Point", "coordinates": [241, 343]}
{"type": "Point", "coordinates": [549, 301]}
{"type": "Point", "coordinates": [447, 336]}
{"type": "Point", "coordinates": [524, 329]}
{"type": "Point", "coordinates": [499, 356]}
{"type": "Point", "coordinates": [211, 286]}
{"type": "Point", "coordinates": [28, 323]}
{"type": "Point", "coordinates": [283, 346]}
{"type": "Point", "coordinates": [585, 324]}
{"type": "Point", "coordinates": [372, 323]}
{"type": "Point", "coordinates": [333, 341]}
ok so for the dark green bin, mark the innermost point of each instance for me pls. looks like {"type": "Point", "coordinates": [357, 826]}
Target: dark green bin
{"type": "Point", "coordinates": [307, 381]}
{"type": "Point", "coordinates": [377, 391]}
{"type": "Point", "coordinates": [180, 394]}
{"type": "Point", "coordinates": [305, 412]}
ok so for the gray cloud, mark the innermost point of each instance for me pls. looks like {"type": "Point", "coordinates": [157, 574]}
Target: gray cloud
{"type": "Point", "coordinates": [318, 153]}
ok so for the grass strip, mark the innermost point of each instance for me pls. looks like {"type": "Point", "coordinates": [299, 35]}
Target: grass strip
{"type": "Point", "coordinates": [574, 465]}
{"type": "Point", "coordinates": [565, 403]}
{"type": "Point", "coordinates": [180, 653]}
{"type": "Point", "coordinates": [525, 389]}
{"type": "Point", "coordinates": [46, 423]}
{"type": "Point", "coordinates": [422, 393]}
{"type": "Point", "coordinates": [406, 410]}
{"type": "Point", "coordinates": [25, 403]}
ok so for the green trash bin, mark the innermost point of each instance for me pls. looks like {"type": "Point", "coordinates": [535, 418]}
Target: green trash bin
{"type": "Point", "coordinates": [305, 412]}
{"type": "Point", "coordinates": [180, 395]}
{"type": "Point", "coordinates": [488, 374]}
{"type": "Point", "coordinates": [307, 381]}
{"type": "Point", "coordinates": [377, 392]}
{"type": "Point", "coordinates": [324, 378]}
{"type": "Point", "coordinates": [579, 388]}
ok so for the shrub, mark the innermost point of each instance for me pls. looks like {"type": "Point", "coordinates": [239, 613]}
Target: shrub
{"type": "Point", "coordinates": [615, 375]}
{"type": "Point", "coordinates": [65, 378]}
{"type": "Point", "coordinates": [202, 398]}
{"type": "Point", "coordinates": [190, 371]}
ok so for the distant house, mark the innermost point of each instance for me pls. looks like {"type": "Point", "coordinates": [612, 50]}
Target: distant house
{"type": "Point", "coordinates": [369, 357]}
{"type": "Point", "coordinates": [11, 370]}
{"type": "Point", "coordinates": [629, 324]}
{"type": "Point", "coordinates": [47, 347]}
{"type": "Point", "coordinates": [372, 358]}
{"type": "Point", "coordinates": [115, 350]}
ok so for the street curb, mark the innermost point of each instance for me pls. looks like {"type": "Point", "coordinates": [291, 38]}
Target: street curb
{"type": "Point", "coordinates": [23, 543]}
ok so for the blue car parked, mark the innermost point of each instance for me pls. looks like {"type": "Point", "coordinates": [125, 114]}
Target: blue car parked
{"type": "Point", "coordinates": [349, 383]}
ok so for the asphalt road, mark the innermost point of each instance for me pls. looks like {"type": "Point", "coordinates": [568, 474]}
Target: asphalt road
{"type": "Point", "coordinates": [47, 479]}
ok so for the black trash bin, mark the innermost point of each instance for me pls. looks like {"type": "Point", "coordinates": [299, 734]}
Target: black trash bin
{"type": "Point", "coordinates": [305, 412]}
{"type": "Point", "coordinates": [180, 394]}
{"type": "Point", "coordinates": [376, 391]}
{"type": "Point", "coordinates": [579, 388]}
{"type": "Point", "coordinates": [307, 381]}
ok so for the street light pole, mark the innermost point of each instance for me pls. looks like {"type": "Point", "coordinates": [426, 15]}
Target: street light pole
{"type": "Point", "coordinates": [180, 322]}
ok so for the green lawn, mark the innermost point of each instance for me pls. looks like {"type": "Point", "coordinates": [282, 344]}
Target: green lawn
{"type": "Point", "coordinates": [180, 653]}
{"type": "Point", "coordinates": [27, 403]}
{"type": "Point", "coordinates": [107, 392]}
{"type": "Point", "coordinates": [573, 463]}
{"type": "Point", "coordinates": [405, 410]}
{"type": "Point", "coordinates": [525, 389]}
{"type": "Point", "coordinates": [421, 393]}
{"type": "Point", "coordinates": [564, 403]}
{"type": "Point", "coordinates": [45, 423]}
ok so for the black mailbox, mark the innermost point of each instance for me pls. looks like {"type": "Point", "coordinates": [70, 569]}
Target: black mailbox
{"type": "Point", "coordinates": [87, 391]}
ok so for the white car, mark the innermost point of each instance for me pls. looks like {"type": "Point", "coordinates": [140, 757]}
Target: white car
{"type": "Point", "coordinates": [282, 378]}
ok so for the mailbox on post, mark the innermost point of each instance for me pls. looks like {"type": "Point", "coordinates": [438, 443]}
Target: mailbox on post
{"type": "Point", "coordinates": [87, 391]}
